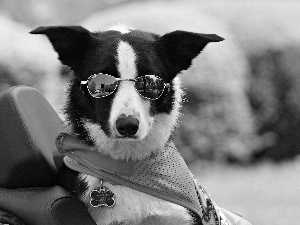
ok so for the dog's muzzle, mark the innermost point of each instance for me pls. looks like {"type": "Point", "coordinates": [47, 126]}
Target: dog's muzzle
{"type": "Point", "coordinates": [127, 126]}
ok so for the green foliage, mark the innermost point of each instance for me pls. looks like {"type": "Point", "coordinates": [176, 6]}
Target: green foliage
{"type": "Point", "coordinates": [274, 95]}
{"type": "Point", "coordinates": [7, 78]}
{"type": "Point", "coordinates": [27, 60]}
{"type": "Point", "coordinates": [268, 34]}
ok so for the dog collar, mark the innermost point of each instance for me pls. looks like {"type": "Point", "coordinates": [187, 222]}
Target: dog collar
{"type": "Point", "coordinates": [164, 175]}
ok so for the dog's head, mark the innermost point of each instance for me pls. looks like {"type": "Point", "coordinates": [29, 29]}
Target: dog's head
{"type": "Point", "coordinates": [125, 124]}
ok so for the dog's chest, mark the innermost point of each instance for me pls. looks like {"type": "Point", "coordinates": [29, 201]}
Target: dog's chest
{"type": "Point", "coordinates": [133, 207]}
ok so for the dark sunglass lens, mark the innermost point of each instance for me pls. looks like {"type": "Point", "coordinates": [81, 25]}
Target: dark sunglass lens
{"type": "Point", "coordinates": [101, 85]}
{"type": "Point", "coordinates": [150, 86]}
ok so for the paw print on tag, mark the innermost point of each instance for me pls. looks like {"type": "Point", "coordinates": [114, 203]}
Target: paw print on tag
{"type": "Point", "coordinates": [102, 197]}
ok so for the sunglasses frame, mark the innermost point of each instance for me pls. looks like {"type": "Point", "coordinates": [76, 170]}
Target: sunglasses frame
{"type": "Point", "coordinates": [85, 82]}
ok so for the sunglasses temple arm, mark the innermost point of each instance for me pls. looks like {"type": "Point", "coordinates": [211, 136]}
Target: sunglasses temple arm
{"type": "Point", "coordinates": [168, 86]}
{"type": "Point", "coordinates": [82, 85]}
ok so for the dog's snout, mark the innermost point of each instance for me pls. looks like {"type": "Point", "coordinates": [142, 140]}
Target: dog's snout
{"type": "Point", "coordinates": [127, 125]}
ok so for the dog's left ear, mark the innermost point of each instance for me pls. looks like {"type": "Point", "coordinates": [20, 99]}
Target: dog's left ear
{"type": "Point", "coordinates": [70, 42]}
{"type": "Point", "coordinates": [181, 47]}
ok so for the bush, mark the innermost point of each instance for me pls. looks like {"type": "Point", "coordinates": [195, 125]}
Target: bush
{"type": "Point", "coordinates": [267, 32]}
{"type": "Point", "coordinates": [27, 60]}
{"type": "Point", "coordinates": [274, 96]}
{"type": "Point", "coordinates": [7, 78]}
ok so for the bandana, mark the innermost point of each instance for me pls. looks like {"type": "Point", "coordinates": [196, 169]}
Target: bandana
{"type": "Point", "coordinates": [164, 175]}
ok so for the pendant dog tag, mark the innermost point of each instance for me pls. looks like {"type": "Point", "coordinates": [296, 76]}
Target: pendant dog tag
{"type": "Point", "coordinates": [101, 197]}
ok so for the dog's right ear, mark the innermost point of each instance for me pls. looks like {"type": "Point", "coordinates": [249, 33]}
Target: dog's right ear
{"type": "Point", "coordinates": [70, 42]}
{"type": "Point", "coordinates": [181, 47]}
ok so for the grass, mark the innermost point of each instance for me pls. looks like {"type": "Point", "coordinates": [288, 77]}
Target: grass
{"type": "Point", "coordinates": [264, 194]}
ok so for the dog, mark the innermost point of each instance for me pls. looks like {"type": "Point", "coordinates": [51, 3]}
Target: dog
{"type": "Point", "coordinates": [124, 101]}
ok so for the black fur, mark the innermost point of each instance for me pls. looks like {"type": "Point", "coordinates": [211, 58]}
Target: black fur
{"type": "Point", "coordinates": [68, 179]}
{"type": "Point", "coordinates": [88, 53]}
{"type": "Point", "coordinates": [181, 47]}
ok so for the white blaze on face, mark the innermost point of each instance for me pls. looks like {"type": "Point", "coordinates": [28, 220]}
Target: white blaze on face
{"type": "Point", "coordinates": [127, 101]}
{"type": "Point", "coordinates": [121, 28]}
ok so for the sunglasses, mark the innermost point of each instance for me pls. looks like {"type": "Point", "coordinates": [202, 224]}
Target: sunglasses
{"type": "Point", "coordinates": [102, 85]}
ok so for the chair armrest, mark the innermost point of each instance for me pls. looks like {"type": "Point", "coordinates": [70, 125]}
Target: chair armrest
{"type": "Point", "coordinates": [8, 218]}
{"type": "Point", "coordinates": [45, 206]}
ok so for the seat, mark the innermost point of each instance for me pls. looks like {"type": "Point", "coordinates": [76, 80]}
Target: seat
{"type": "Point", "coordinates": [29, 162]}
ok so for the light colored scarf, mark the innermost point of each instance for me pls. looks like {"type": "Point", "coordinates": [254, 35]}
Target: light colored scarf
{"type": "Point", "coordinates": [164, 175]}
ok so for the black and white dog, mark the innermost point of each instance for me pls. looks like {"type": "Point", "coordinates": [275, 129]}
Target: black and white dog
{"type": "Point", "coordinates": [124, 100]}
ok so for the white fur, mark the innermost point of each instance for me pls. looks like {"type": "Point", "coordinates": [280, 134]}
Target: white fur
{"type": "Point", "coordinates": [127, 100]}
{"type": "Point", "coordinates": [134, 207]}
{"type": "Point", "coordinates": [126, 61]}
{"type": "Point", "coordinates": [121, 28]}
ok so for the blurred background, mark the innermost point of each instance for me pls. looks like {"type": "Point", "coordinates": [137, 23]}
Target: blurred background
{"type": "Point", "coordinates": [240, 127]}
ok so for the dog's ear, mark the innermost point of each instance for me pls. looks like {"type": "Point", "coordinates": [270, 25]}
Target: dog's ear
{"type": "Point", "coordinates": [70, 42]}
{"type": "Point", "coordinates": [181, 47]}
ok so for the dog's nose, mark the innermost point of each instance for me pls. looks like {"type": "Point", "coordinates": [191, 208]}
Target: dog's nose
{"type": "Point", "coordinates": [127, 125]}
